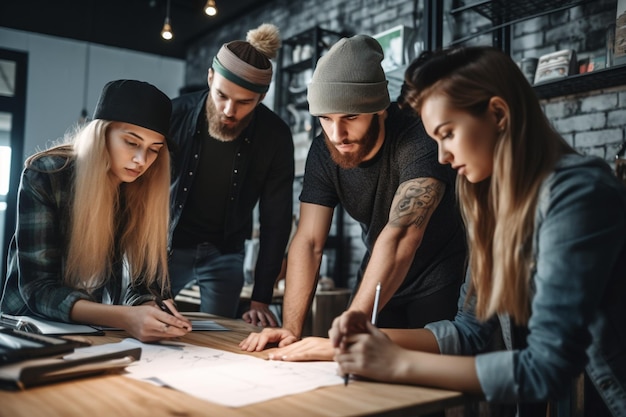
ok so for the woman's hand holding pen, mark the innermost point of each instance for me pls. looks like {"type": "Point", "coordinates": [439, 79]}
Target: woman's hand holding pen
{"type": "Point", "coordinates": [361, 348]}
{"type": "Point", "coordinates": [150, 322]}
{"type": "Point", "coordinates": [347, 324]}
{"type": "Point", "coordinates": [174, 318]}
{"type": "Point", "coordinates": [146, 322]}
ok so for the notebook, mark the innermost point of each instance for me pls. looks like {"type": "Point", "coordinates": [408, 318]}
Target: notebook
{"type": "Point", "coordinates": [43, 326]}
{"type": "Point", "coordinates": [32, 372]}
{"type": "Point", "coordinates": [16, 345]}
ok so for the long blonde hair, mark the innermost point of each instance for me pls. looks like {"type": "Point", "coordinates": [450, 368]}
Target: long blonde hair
{"type": "Point", "coordinates": [499, 212]}
{"type": "Point", "coordinates": [100, 222]}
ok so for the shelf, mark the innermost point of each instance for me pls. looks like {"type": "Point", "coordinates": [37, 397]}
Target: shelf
{"type": "Point", "coordinates": [581, 83]}
{"type": "Point", "coordinates": [578, 83]}
{"type": "Point", "coordinates": [504, 13]}
{"type": "Point", "coordinates": [292, 77]}
{"type": "Point", "coordinates": [298, 100]}
{"type": "Point", "coordinates": [308, 37]}
{"type": "Point", "coordinates": [294, 72]}
{"type": "Point", "coordinates": [299, 66]}
{"type": "Point", "coordinates": [501, 11]}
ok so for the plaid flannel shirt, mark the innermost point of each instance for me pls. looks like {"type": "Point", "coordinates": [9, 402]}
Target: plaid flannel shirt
{"type": "Point", "coordinates": [38, 249]}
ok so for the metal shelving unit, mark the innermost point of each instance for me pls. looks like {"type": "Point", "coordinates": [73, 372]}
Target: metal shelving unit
{"type": "Point", "coordinates": [291, 83]}
{"type": "Point", "coordinates": [581, 83]}
{"type": "Point", "coordinates": [505, 13]}
{"type": "Point", "coordinates": [294, 66]}
{"type": "Point", "coordinates": [515, 11]}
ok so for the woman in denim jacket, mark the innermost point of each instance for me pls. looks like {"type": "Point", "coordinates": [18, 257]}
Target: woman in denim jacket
{"type": "Point", "coordinates": [547, 265]}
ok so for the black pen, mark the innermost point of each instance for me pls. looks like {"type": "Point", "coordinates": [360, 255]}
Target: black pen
{"type": "Point", "coordinates": [346, 377]}
{"type": "Point", "coordinates": [162, 305]}
{"type": "Point", "coordinates": [159, 301]}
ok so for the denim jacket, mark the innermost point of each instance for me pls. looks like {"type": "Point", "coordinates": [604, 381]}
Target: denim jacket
{"type": "Point", "coordinates": [263, 172]}
{"type": "Point", "coordinates": [578, 285]}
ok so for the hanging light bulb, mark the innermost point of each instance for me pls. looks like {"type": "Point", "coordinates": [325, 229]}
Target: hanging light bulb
{"type": "Point", "coordinates": [210, 8]}
{"type": "Point", "coordinates": [166, 32]}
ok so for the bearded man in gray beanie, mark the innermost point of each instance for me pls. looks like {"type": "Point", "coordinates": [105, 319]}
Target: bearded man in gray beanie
{"type": "Point", "coordinates": [379, 164]}
{"type": "Point", "coordinates": [232, 152]}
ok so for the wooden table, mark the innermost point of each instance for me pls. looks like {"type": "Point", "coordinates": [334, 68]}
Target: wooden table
{"type": "Point", "coordinates": [325, 306]}
{"type": "Point", "coordinates": [117, 395]}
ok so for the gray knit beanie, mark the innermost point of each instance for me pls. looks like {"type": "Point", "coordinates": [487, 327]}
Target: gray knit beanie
{"type": "Point", "coordinates": [349, 79]}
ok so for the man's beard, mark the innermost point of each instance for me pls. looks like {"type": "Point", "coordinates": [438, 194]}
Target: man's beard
{"type": "Point", "coordinates": [366, 144]}
{"type": "Point", "coordinates": [218, 130]}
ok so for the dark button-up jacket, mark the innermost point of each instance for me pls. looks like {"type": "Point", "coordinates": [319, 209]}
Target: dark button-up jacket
{"type": "Point", "coordinates": [263, 172]}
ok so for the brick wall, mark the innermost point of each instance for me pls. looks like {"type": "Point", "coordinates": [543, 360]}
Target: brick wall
{"type": "Point", "coordinates": [593, 122]}
{"type": "Point", "coordinates": [292, 17]}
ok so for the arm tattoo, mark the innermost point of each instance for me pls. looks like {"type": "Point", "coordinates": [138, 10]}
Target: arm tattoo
{"type": "Point", "coordinates": [414, 202]}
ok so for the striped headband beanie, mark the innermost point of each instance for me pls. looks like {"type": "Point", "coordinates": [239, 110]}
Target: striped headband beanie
{"type": "Point", "coordinates": [247, 63]}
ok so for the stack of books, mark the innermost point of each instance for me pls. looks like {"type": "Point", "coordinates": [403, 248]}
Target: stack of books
{"type": "Point", "coordinates": [29, 358]}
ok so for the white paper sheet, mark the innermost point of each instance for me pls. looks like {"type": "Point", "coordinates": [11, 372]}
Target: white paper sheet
{"type": "Point", "coordinates": [227, 378]}
{"type": "Point", "coordinates": [236, 384]}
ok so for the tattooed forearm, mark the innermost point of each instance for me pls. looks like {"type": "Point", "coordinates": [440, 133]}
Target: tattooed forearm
{"type": "Point", "coordinates": [414, 202]}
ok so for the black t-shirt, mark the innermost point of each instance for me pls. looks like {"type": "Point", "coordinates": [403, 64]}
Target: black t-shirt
{"type": "Point", "coordinates": [203, 218]}
{"type": "Point", "coordinates": [366, 193]}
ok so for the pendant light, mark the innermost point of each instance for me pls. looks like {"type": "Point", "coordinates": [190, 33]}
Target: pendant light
{"type": "Point", "coordinates": [210, 8]}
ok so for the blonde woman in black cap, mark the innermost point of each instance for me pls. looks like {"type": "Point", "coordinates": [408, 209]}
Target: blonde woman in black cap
{"type": "Point", "coordinates": [379, 164]}
{"type": "Point", "coordinates": [91, 239]}
{"type": "Point", "coordinates": [232, 153]}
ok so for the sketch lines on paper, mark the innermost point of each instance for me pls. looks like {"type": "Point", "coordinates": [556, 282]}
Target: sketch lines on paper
{"type": "Point", "coordinates": [164, 357]}
{"type": "Point", "coordinates": [227, 378]}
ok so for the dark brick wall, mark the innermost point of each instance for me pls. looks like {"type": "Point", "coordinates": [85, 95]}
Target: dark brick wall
{"type": "Point", "coordinates": [292, 17]}
{"type": "Point", "coordinates": [593, 122]}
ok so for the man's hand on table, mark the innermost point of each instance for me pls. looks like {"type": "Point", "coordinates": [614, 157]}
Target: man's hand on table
{"type": "Point", "coordinates": [256, 342]}
{"type": "Point", "coordinates": [259, 314]}
{"type": "Point", "coordinates": [307, 349]}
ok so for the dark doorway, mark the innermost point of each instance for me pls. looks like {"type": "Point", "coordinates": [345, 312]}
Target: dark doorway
{"type": "Point", "coordinates": [13, 70]}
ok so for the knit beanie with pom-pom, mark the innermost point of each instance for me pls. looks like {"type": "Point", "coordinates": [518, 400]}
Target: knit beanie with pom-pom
{"type": "Point", "coordinates": [247, 63]}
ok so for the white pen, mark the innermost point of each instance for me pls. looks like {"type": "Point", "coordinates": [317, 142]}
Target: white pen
{"type": "Point", "coordinates": [376, 300]}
